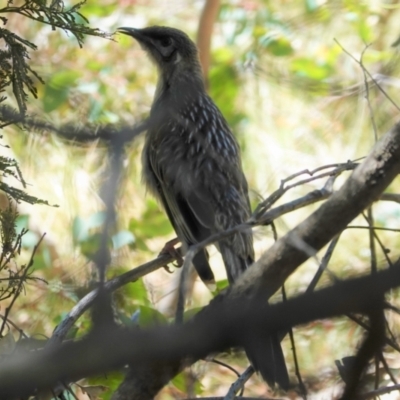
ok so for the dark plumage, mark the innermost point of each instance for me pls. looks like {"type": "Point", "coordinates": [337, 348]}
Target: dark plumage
{"type": "Point", "coordinates": [191, 160]}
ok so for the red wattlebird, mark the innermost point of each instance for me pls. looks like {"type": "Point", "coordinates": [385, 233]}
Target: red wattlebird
{"type": "Point", "coordinates": [191, 163]}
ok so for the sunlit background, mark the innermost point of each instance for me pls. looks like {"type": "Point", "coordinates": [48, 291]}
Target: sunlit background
{"type": "Point", "coordinates": [296, 101]}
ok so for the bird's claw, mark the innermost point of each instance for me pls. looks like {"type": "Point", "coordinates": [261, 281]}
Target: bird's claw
{"type": "Point", "coordinates": [169, 248]}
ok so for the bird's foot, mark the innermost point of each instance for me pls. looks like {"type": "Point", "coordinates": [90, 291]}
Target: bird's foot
{"type": "Point", "coordinates": [169, 248]}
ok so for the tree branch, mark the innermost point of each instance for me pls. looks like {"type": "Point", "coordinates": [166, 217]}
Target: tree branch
{"type": "Point", "coordinates": [226, 324]}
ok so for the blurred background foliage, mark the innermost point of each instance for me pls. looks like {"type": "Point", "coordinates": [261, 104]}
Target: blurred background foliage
{"type": "Point", "coordinates": [295, 101]}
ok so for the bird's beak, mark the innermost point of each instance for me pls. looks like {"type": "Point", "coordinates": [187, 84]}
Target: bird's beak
{"type": "Point", "coordinates": [144, 41]}
{"type": "Point", "coordinates": [136, 34]}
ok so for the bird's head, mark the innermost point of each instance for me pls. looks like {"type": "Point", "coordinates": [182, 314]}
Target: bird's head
{"type": "Point", "coordinates": [173, 52]}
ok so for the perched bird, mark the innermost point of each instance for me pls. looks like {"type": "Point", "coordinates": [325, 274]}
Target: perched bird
{"type": "Point", "coordinates": [191, 163]}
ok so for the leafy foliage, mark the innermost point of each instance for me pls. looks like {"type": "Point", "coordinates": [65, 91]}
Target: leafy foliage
{"type": "Point", "coordinates": [10, 168]}
{"type": "Point", "coordinates": [15, 69]}
{"type": "Point", "coordinates": [20, 78]}
{"type": "Point", "coordinates": [12, 275]}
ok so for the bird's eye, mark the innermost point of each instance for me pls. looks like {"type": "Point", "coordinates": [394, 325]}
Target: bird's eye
{"type": "Point", "coordinates": [165, 42]}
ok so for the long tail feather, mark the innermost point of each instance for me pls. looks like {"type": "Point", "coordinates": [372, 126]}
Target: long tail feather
{"type": "Point", "coordinates": [200, 262]}
{"type": "Point", "coordinates": [264, 353]}
{"type": "Point", "coordinates": [266, 356]}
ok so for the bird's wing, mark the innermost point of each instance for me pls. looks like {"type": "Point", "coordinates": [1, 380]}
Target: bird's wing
{"type": "Point", "coordinates": [196, 161]}
{"type": "Point", "coordinates": [191, 216]}
{"type": "Point", "coordinates": [183, 216]}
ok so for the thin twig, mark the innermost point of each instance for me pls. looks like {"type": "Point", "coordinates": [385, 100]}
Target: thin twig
{"type": "Point", "coordinates": [323, 265]}
{"type": "Point", "coordinates": [238, 385]}
{"type": "Point", "coordinates": [303, 389]}
{"type": "Point", "coordinates": [370, 76]}
{"type": "Point", "coordinates": [358, 321]}
{"type": "Point", "coordinates": [387, 368]}
{"type": "Point", "coordinates": [370, 221]}
{"type": "Point", "coordinates": [366, 84]}
{"type": "Point", "coordinates": [378, 228]}
{"type": "Point", "coordinates": [385, 250]}
{"type": "Point", "coordinates": [20, 284]}
{"type": "Point", "coordinates": [378, 392]}
{"type": "Point", "coordinates": [16, 327]}
{"type": "Point", "coordinates": [337, 170]}
{"type": "Point", "coordinates": [222, 364]}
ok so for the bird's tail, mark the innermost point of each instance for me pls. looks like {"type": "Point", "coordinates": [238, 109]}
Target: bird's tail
{"type": "Point", "coordinates": [235, 265]}
{"type": "Point", "coordinates": [200, 262]}
{"type": "Point", "coordinates": [264, 353]}
{"type": "Point", "coordinates": [266, 356]}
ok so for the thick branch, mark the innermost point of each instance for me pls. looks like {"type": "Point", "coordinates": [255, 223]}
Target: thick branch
{"type": "Point", "coordinates": [364, 186]}
{"type": "Point", "coordinates": [227, 324]}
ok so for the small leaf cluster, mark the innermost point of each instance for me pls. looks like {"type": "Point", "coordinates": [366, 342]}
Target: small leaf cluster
{"type": "Point", "coordinates": [14, 59]}
{"type": "Point", "coordinates": [12, 276]}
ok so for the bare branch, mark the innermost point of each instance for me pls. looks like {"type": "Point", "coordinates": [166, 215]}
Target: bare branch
{"type": "Point", "coordinates": [225, 324]}
{"type": "Point", "coordinates": [238, 385]}
{"type": "Point", "coordinates": [363, 187]}
{"type": "Point", "coordinates": [378, 392]}
{"type": "Point", "coordinates": [370, 76]}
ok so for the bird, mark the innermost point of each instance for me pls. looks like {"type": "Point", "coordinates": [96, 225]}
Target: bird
{"type": "Point", "coordinates": [191, 163]}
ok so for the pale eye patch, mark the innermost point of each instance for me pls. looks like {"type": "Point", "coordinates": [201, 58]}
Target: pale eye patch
{"type": "Point", "coordinates": [178, 58]}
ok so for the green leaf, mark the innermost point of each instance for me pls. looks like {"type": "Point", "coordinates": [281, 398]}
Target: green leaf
{"type": "Point", "coordinates": [126, 320]}
{"type": "Point", "coordinates": [310, 68]}
{"type": "Point", "coordinates": [54, 98]}
{"type": "Point", "coordinates": [191, 313]}
{"type": "Point", "coordinates": [150, 316]}
{"type": "Point", "coordinates": [72, 333]}
{"type": "Point", "coordinates": [278, 46]}
{"type": "Point", "coordinates": [311, 5]}
{"type": "Point", "coordinates": [221, 285]}
{"type": "Point", "coordinates": [57, 89]}
{"type": "Point", "coordinates": [122, 238]}
{"type": "Point", "coordinates": [91, 245]}
{"type": "Point", "coordinates": [80, 231]}
{"type": "Point", "coordinates": [179, 381]}
{"type": "Point", "coordinates": [96, 220]}
{"type": "Point", "coordinates": [224, 87]}
{"type": "Point", "coordinates": [30, 240]}
{"type": "Point", "coordinates": [42, 258]}
{"type": "Point", "coordinates": [136, 292]}
{"type": "Point", "coordinates": [64, 79]}
{"type": "Point", "coordinates": [99, 9]}
{"type": "Point", "coordinates": [95, 110]}
{"type": "Point", "coordinates": [364, 30]}
{"type": "Point", "coordinates": [154, 222]}
{"type": "Point", "coordinates": [81, 227]}
{"type": "Point", "coordinates": [22, 222]}
{"type": "Point", "coordinates": [111, 380]}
